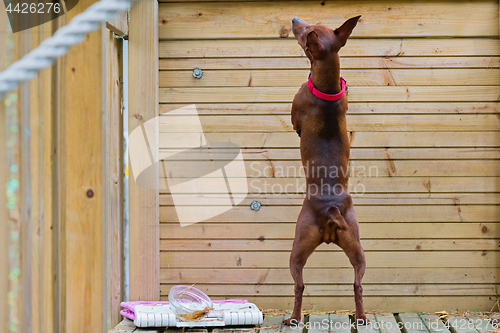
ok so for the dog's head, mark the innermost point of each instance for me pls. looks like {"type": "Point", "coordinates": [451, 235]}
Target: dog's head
{"type": "Point", "coordinates": [318, 40]}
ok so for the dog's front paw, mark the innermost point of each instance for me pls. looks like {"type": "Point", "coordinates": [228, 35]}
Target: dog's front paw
{"type": "Point", "coordinates": [291, 321]}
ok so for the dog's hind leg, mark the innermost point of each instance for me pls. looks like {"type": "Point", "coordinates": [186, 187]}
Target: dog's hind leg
{"type": "Point", "coordinates": [348, 240]}
{"type": "Point", "coordinates": [307, 238]}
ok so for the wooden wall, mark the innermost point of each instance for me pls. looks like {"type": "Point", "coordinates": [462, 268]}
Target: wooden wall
{"type": "Point", "coordinates": [424, 85]}
{"type": "Point", "coordinates": [61, 248]}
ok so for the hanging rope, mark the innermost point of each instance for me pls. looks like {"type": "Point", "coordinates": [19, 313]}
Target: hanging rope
{"type": "Point", "coordinates": [58, 45]}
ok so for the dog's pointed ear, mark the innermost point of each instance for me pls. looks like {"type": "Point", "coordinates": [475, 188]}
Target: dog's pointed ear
{"type": "Point", "coordinates": [313, 44]}
{"type": "Point", "coordinates": [344, 31]}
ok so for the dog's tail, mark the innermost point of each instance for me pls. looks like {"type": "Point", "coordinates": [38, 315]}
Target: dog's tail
{"type": "Point", "coordinates": [335, 222]}
{"type": "Point", "coordinates": [336, 219]}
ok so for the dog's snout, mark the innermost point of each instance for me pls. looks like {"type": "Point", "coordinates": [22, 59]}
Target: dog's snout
{"type": "Point", "coordinates": [295, 19]}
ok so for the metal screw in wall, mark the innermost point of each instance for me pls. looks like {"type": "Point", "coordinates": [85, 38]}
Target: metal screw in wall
{"type": "Point", "coordinates": [197, 73]}
{"type": "Point", "coordinates": [255, 205]}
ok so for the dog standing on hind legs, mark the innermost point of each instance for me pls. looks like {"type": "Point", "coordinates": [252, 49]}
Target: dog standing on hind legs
{"type": "Point", "coordinates": [319, 117]}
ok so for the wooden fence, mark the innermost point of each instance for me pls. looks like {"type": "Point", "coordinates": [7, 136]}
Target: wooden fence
{"type": "Point", "coordinates": [61, 154]}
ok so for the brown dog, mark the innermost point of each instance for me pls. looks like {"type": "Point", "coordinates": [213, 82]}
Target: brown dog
{"type": "Point", "coordinates": [319, 117]}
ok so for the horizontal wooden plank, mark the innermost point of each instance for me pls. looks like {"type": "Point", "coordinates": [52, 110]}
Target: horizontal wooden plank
{"type": "Point", "coordinates": [388, 303]}
{"type": "Point", "coordinates": [345, 63]}
{"type": "Point", "coordinates": [414, 323]}
{"type": "Point", "coordinates": [379, 19]}
{"type": "Point", "coordinates": [359, 169]}
{"type": "Point", "coordinates": [324, 323]}
{"type": "Point", "coordinates": [464, 259]}
{"type": "Point", "coordinates": [356, 94]}
{"type": "Point", "coordinates": [357, 154]}
{"type": "Point", "coordinates": [359, 200]}
{"type": "Point", "coordinates": [263, 231]}
{"type": "Point", "coordinates": [482, 324]}
{"type": "Point", "coordinates": [361, 77]}
{"type": "Point", "coordinates": [125, 326]}
{"type": "Point", "coordinates": [119, 24]}
{"type": "Point", "coordinates": [354, 108]}
{"type": "Point", "coordinates": [269, 245]}
{"type": "Point", "coordinates": [287, 47]}
{"type": "Point", "coordinates": [357, 186]}
{"type": "Point", "coordinates": [276, 214]}
{"type": "Point", "coordinates": [359, 139]}
{"type": "Point", "coordinates": [337, 275]}
{"type": "Point", "coordinates": [323, 290]}
{"type": "Point", "coordinates": [278, 123]}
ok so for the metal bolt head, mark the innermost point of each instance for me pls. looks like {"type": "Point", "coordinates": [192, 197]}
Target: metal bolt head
{"type": "Point", "coordinates": [255, 205]}
{"type": "Point", "coordinates": [197, 73]}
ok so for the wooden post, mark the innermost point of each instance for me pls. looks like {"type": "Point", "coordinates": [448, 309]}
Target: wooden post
{"type": "Point", "coordinates": [143, 106]}
{"type": "Point", "coordinates": [13, 223]}
{"type": "Point", "coordinates": [50, 200]}
{"type": "Point", "coordinates": [114, 181]}
{"type": "Point", "coordinates": [4, 216]}
{"type": "Point", "coordinates": [33, 160]}
{"type": "Point", "coordinates": [82, 192]}
{"type": "Point", "coordinates": [119, 24]}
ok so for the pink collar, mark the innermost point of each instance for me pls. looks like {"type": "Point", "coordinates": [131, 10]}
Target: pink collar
{"type": "Point", "coordinates": [326, 97]}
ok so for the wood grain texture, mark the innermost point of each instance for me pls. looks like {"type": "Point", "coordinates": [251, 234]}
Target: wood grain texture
{"type": "Point", "coordinates": [336, 290]}
{"type": "Point", "coordinates": [355, 123]}
{"type": "Point", "coordinates": [324, 323]}
{"type": "Point", "coordinates": [252, 231]}
{"type": "Point", "coordinates": [357, 154]}
{"type": "Point", "coordinates": [82, 189]}
{"type": "Point", "coordinates": [213, 245]}
{"type": "Point", "coordinates": [114, 179]}
{"type": "Point", "coordinates": [252, 276]}
{"type": "Point", "coordinates": [332, 289]}
{"type": "Point", "coordinates": [434, 324]}
{"type": "Point", "coordinates": [125, 326]}
{"type": "Point", "coordinates": [143, 106]}
{"type": "Point", "coordinates": [430, 139]}
{"type": "Point", "coordinates": [356, 94]}
{"type": "Point", "coordinates": [354, 108]}
{"type": "Point", "coordinates": [358, 186]}
{"type": "Point", "coordinates": [22, 148]}
{"type": "Point", "coordinates": [4, 265]}
{"type": "Point", "coordinates": [379, 19]}
{"type": "Point", "coordinates": [4, 215]}
{"type": "Point", "coordinates": [346, 63]}
{"type": "Point", "coordinates": [413, 322]}
{"type": "Point", "coordinates": [277, 214]}
{"type": "Point", "coordinates": [284, 48]}
{"type": "Point", "coordinates": [386, 199]}
{"type": "Point", "coordinates": [119, 24]}
{"type": "Point", "coordinates": [51, 273]}
{"type": "Point", "coordinates": [393, 259]}
{"type": "Point", "coordinates": [358, 169]}
{"type": "Point", "coordinates": [354, 77]}
{"type": "Point", "coordinates": [422, 110]}
{"type": "Point", "coordinates": [36, 184]}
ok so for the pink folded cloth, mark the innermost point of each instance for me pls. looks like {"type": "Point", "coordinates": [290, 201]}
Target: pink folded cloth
{"type": "Point", "coordinates": [128, 307]}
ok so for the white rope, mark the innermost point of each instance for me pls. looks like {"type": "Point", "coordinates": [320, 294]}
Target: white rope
{"type": "Point", "coordinates": [58, 45]}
